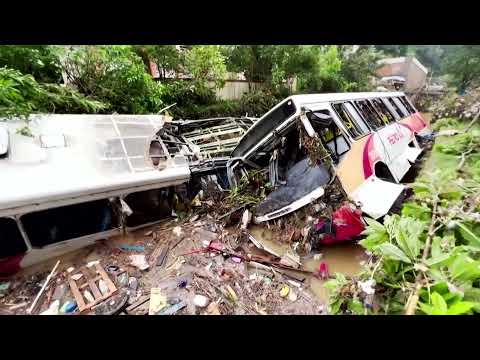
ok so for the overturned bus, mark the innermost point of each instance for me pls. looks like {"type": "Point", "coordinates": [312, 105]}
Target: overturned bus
{"type": "Point", "coordinates": [77, 179]}
{"type": "Point", "coordinates": [367, 140]}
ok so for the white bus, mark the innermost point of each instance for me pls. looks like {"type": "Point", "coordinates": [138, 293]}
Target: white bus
{"type": "Point", "coordinates": [370, 139]}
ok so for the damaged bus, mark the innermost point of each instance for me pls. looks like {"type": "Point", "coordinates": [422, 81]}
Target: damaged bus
{"type": "Point", "coordinates": [76, 179]}
{"type": "Point", "coordinates": [366, 140]}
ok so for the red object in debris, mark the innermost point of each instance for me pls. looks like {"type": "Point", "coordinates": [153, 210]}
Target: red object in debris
{"type": "Point", "coordinates": [10, 265]}
{"type": "Point", "coordinates": [346, 223]}
{"type": "Point", "coordinates": [322, 271]}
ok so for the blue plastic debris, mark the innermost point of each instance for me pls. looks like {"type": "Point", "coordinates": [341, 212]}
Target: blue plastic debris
{"type": "Point", "coordinates": [68, 307]}
{"type": "Point", "coordinates": [127, 247]}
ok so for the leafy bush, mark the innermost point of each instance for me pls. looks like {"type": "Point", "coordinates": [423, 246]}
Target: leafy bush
{"type": "Point", "coordinates": [21, 95]}
{"type": "Point", "coordinates": [41, 61]}
{"type": "Point", "coordinates": [116, 76]}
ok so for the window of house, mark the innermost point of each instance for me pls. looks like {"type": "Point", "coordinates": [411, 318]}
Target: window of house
{"type": "Point", "coordinates": [68, 222]}
{"type": "Point", "coordinates": [382, 110]}
{"type": "Point", "coordinates": [354, 124]}
{"type": "Point", "coordinates": [367, 111]}
{"type": "Point", "coordinates": [11, 239]}
{"type": "Point", "coordinates": [397, 108]}
{"type": "Point", "coordinates": [407, 105]}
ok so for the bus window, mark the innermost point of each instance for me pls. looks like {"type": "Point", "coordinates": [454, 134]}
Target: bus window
{"type": "Point", "coordinates": [397, 109]}
{"type": "Point", "coordinates": [369, 114]}
{"type": "Point", "coordinates": [407, 105]}
{"type": "Point", "coordinates": [10, 238]}
{"type": "Point", "coordinates": [382, 110]}
{"type": "Point", "coordinates": [334, 140]}
{"type": "Point", "coordinates": [148, 206]}
{"type": "Point", "coordinates": [356, 129]}
{"type": "Point", "coordinates": [68, 222]}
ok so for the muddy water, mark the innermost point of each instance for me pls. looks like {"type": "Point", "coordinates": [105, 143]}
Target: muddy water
{"type": "Point", "coordinates": [343, 258]}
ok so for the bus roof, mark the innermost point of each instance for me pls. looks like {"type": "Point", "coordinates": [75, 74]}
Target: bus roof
{"type": "Point", "coordinates": [70, 156]}
{"type": "Point", "coordinates": [266, 124]}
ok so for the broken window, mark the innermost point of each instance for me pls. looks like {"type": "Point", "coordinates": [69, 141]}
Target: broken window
{"type": "Point", "coordinates": [366, 109]}
{"type": "Point", "coordinates": [397, 108]}
{"type": "Point", "coordinates": [355, 125]}
{"type": "Point", "coordinates": [68, 222]}
{"type": "Point", "coordinates": [333, 138]}
{"type": "Point", "coordinates": [148, 206]}
{"type": "Point", "coordinates": [406, 104]}
{"type": "Point", "coordinates": [382, 110]}
{"type": "Point", "coordinates": [10, 238]}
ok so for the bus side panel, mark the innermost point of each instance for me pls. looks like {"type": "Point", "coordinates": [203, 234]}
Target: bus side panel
{"type": "Point", "coordinates": [356, 174]}
{"type": "Point", "coordinates": [356, 165]}
{"type": "Point", "coordinates": [416, 123]}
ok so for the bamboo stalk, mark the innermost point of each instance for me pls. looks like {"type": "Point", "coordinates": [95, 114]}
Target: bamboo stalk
{"type": "Point", "coordinates": [29, 311]}
{"type": "Point", "coordinates": [413, 300]}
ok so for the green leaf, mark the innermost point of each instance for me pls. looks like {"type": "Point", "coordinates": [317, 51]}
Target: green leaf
{"type": "Point", "coordinates": [356, 307]}
{"type": "Point", "coordinates": [374, 225]}
{"type": "Point", "coordinates": [468, 235]}
{"type": "Point", "coordinates": [427, 309]}
{"type": "Point", "coordinates": [437, 259]}
{"type": "Point", "coordinates": [439, 304]}
{"type": "Point", "coordinates": [391, 251]}
{"type": "Point", "coordinates": [460, 307]}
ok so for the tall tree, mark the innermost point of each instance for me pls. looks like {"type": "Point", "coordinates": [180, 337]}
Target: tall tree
{"type": "Point", "coordinates": [462, 63]}
{"type": "Point", "coordinates": [166, 57]}
{"type": "Point", "coordinates": [206, 62]}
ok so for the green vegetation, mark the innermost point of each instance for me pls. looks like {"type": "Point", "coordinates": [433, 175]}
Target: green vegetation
{"type": "Point", "coordinates": [427, 259]}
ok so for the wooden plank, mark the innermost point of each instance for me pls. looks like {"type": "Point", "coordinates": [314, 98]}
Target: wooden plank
{"type": "Point", "coordinates": [76, 293]}
{"type": "Point", "coordinates": [86, 284]}
{"type": "Point", "coordinates": [93, 286]}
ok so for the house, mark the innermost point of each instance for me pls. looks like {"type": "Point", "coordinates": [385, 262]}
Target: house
{"type": "Point", "coordinates": [407, 73]}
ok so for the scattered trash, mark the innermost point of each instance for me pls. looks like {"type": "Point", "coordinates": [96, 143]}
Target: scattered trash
{"type": "Point", "coordinates": [246, 218]}
{"type": "Point", "coordinates": [367, 286]}
{"type": "Point", "coordinates": [200, 301]}
{"type": "Point", "coordinates": [173, 309]}
{"type": "Point", "coordinates": [236, 259]}
{"type": "Point", "coordinates": [122, 279]}
{"type": "Point", "coordinates": [139, 262]}
{"type": "Point", "coordinates": [103, 287]}
{"type": "Point", "coordinates": [4, 287]}
{"type": "Point", "coordinates": [148, 233]}
{"type": "Point", "coordinates": [52, 309]}
{"type": "Point", "coordinates": [59, 292]}
{"type": "Point", "coordinates": [158, 301]}
{"type": "Point", "coordinates": [182, 284]}
{"type": "Point", "coordinates": [231, 293]}
{"type": "Point", "coordinates": [212, 309]}
{"type": "Point", "coordinates": [18, 306]}
{"type": "Point", "coordinates": [322, 272]}
{"type": "Point", "coordinates": [88, 296]}
{"type": "Point", "coordinates": [133, 284]}
{"type": "Point", "coordinates": [294, 283]}
{"type": "Point", "coordinates": [292, 296]}
{"type": "Point", "coordinates": [284, 291]}
{"type": "Point", "coordinates": [291, 260]}
{"type": "Point", "coordinates": [29, 311]}
{"type": "Point", "coordinates": [77, 277]}
{"type": "Point", "coordinates": [177, 231]}
{"type": "Point", "coordinates": [127, 247]}
{"type": "Point", "coordinates": [70, 269]}
{"type": "Point", "coordinates": [68, 307]}
{"type": "Point", "coordinates": [112, 269]}
{"type": "Point", "coordinates": [317, 256]}
{"type": "Point", "coordinates": [92, 263]}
